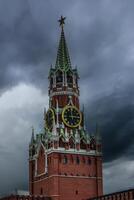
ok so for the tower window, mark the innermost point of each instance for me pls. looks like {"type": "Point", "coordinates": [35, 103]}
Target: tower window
{"type": "Point", "coordinates": [65, 160]}
{"type": "Point", "coordinates": [77, 160]}
{"type": "Point", "coordinates": [41, 191]}
{"type": "Point", "coordinates": [59, 77]}
{"type": "Point", "coordinates": [89, 161]}
{"type": "Point", "coordinates": [69, 78]}
{"type": "Point", "coordinates": [71, 159]}
{"type": "Point", "coordinates": [60, 158]}
{"type": "Point", "coordinates": [83, 159]}
{"type": "Point", "coordinates": [76, 192]}
{"type": "Point", "coordinates": [51, 81]}
{"type": "Point", "coordinates": [71, 142]}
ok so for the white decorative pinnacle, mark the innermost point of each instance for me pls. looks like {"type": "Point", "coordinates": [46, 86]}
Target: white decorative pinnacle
{"type": "Point", "coordinates": [77, 137]}
{"type": "Point", "coordinates": [65, 79]}
{"type": "Point", "coordinates": [70, 100]}
{"type": "Point", "coordinates": [44, 113]}
{"type": "Point", "coordinates": [63, 82]}
{"type": "Point", "coordinates": [57, 114]}
{"type": "Point", "coordinates": [54, 130]}
{"type": "Point", "coordinates": [66, 135]}
{"type": "Point", "coordinates": [71, 132]}
{"type": "Point", "coordinates": [54, 81]}
{"type": "Point", "coordinates": [63, 126]}
{"type": "Point", "coordinates": [84, 117]}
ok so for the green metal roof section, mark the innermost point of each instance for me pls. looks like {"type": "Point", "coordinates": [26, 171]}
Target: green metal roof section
{"type": "Point", "coordinates": [63, 60]}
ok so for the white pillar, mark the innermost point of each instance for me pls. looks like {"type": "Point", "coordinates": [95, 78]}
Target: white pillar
{"type": "Point", "coordinates": [36, 167]}
{"type": "Point", "coordinates": [65, 79]}
{"type": "Point", "coordinates": [57, 114]}
{"type": "Point", "coordinates": [46, 164]}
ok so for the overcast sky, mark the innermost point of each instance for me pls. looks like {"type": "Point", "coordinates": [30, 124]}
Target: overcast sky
{"type": "Point", "coordinates": [100, 37]}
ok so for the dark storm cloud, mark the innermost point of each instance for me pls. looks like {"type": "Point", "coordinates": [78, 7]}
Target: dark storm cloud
{"type": "Point", "coordinates": [24, 46]}
{"type": "Point", "coordinates": [20, 108]}
{"type": "Point", "coordinates": [29, 34]}
{"type": "Point", "coordinates": [101, 43]}
{"type": "Point", "coordinates": [115, 115]}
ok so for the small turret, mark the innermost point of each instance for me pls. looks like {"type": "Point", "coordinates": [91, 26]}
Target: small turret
{"type": "Point", "coordinates": [32, 137]}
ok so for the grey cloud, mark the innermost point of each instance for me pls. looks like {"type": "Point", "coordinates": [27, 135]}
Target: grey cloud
{"type": "Point", "coordinates": [101, 42]}
{"type": "Point", "coordinates": [115, 115]}
{"type": "Point", "coordinates": [118, 175]}
{"type": "Point", "coordinates": [20, 109]}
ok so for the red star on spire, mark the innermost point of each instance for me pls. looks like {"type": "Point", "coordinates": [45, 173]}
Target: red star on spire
{"type": "Point", "coordinates": [62, 21]}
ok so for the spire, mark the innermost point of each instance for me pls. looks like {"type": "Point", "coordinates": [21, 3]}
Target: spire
{"type": "Point", "coordinates": [63, 60]}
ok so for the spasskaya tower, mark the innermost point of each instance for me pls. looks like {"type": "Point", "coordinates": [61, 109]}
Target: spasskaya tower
{"type": "Point", "coordinates": [65, 161]}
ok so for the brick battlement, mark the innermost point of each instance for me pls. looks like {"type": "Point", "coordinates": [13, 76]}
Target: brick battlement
{"type": "Point", "coordinates": [122, 195]}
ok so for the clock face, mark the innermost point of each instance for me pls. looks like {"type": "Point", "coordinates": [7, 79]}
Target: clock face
{"type": "Point", "coordinates": [71, 116]}
{"type": "Point", "coordinates": [49, 119]}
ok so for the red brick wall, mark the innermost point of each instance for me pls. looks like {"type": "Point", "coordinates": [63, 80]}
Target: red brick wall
{"type": "Point", "coordinates": [67, 187]}
{"type": "Point", "coordinates": [66, 181]}
{"type": "Point", "coordinates": [63, 100]}
{"type": "Point", "coordinates": [31, 176]}
{"type": "Point", "coordinates": [41, 161]}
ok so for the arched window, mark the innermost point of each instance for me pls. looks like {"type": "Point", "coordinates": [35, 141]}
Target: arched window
{"type": "Point", "coordinates": [61, 142]}
{"type": "Point", "coordinates": [51, 80]}
{"type": "Point", "coordinates": [76, 192]}
{"type": "Point", "coordinates": [77, 160]}
{"type": "Point", "coordinates": [71, 159]}
{"type": "Point", "coordinates": [83, 159]}
{"type": "Point", "coordinates": [89, 161]}
{"type": "Point", "coordinates": [93, 145]}
{"type": "Point", "coordinates": [82, 145]}
{"type": "Point", "coordinates": [60, 158]}
{"type": "Point", "coordinates": [65, 160]}
{"type": "Point", "coordinates": [59, 77]}
{"type": "Point", "coordinates": [69, 78]}
{"type": "Point", "coordinates": [71, 143]}
{"type": "Point", "coordinates": [41, 191]}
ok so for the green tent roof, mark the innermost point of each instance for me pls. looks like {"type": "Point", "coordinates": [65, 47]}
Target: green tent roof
{"type": "Point", "coordinates": [63, 60]}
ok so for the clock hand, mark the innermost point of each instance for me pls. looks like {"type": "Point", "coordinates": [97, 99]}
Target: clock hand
{"type": "Point", "coordinates": [75, 117]}
{"type": "Point", "coordinates": [71, 111]}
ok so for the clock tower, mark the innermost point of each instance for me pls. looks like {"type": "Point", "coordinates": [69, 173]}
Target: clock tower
{"type": "Point", "coordinates": [65, 161]}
